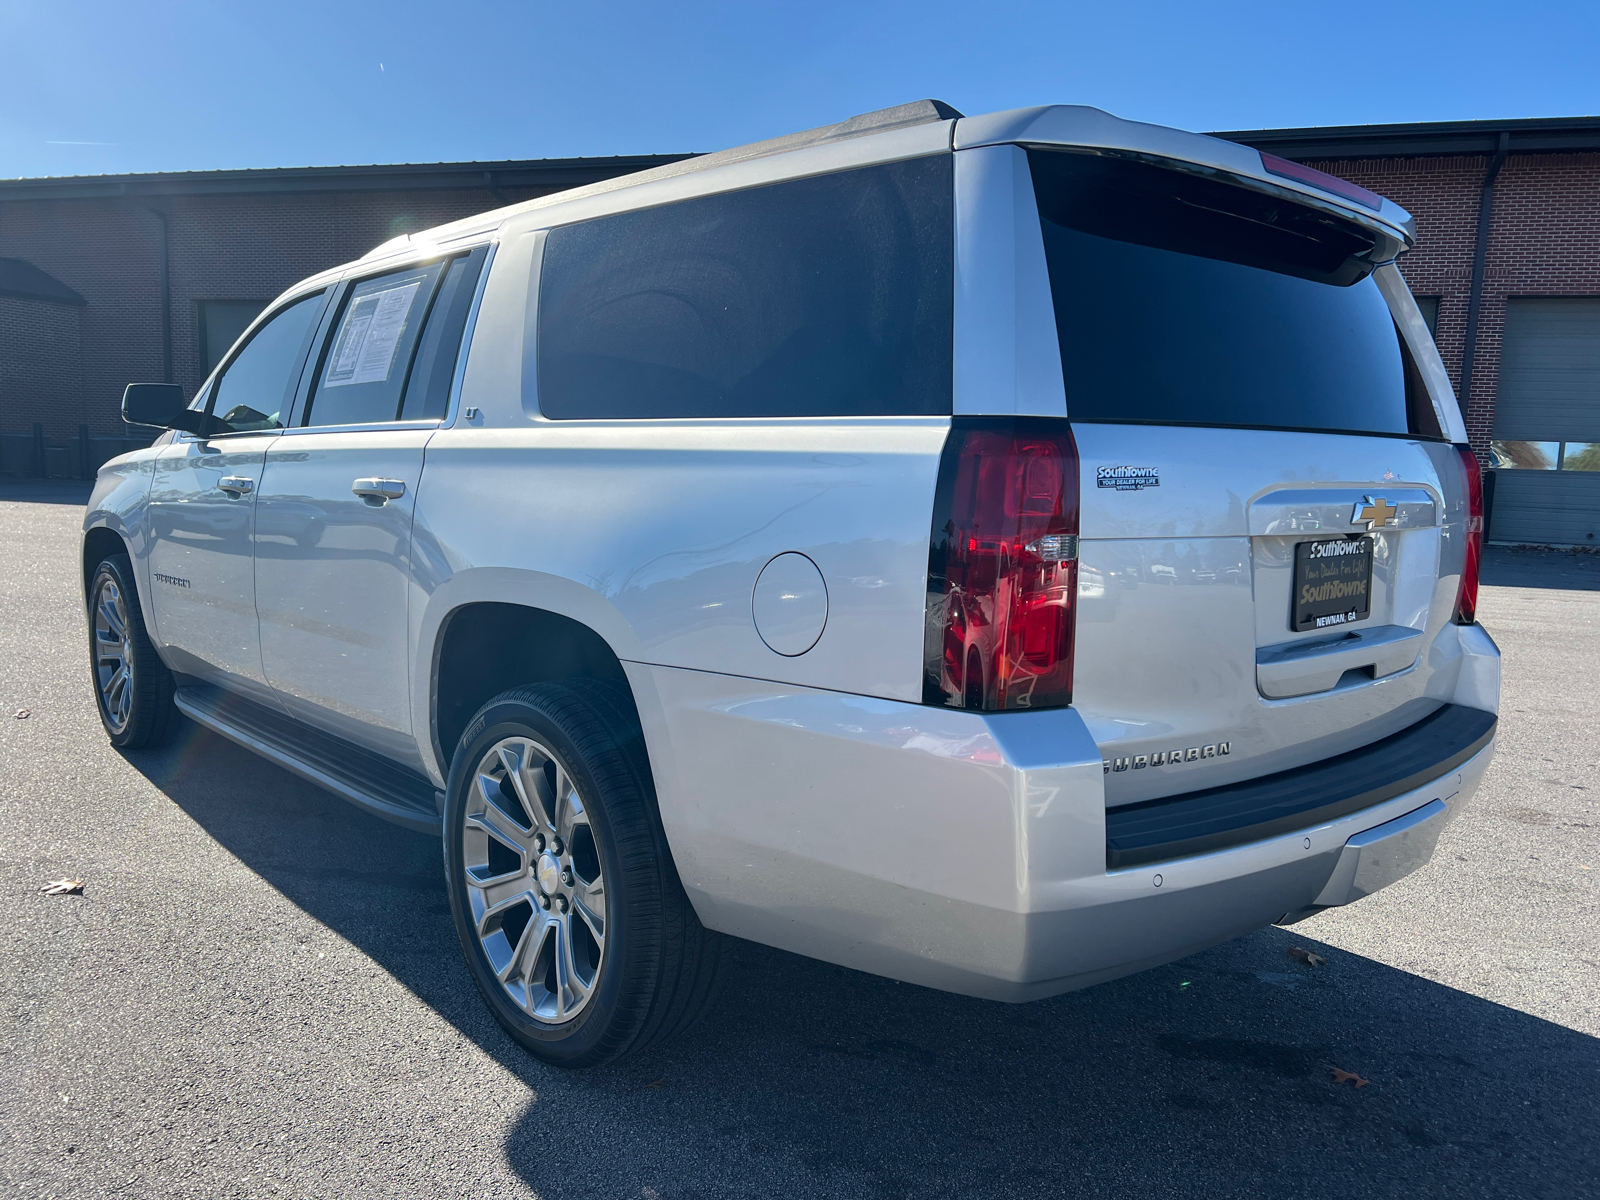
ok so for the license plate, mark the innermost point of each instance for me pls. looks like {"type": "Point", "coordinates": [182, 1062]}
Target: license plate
{"type": "Point", "coordinates": [1332, 583]}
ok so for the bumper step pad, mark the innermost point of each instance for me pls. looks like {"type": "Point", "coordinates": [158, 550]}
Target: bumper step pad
{"type": "Point", "coordinates": [1216, 818]}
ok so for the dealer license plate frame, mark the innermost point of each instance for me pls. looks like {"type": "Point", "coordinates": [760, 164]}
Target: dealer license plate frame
{"type": "Point", "coordinates": [1315, 568]}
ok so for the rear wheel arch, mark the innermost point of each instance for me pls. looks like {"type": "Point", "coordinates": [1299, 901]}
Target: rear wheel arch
{"type": "Point", "coordinates": [488, 647]}
{"type": "Point", "coordinates": [648, 968]}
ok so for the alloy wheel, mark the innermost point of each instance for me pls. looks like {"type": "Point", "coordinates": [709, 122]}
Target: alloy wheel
{"type": "Point", "coordinates": [535, 887]}
{"type": "Point", "coordinates": [113, 654]}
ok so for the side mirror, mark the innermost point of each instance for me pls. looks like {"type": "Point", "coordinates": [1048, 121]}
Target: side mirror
{"type": "Point", "coordinates": [161, 405]}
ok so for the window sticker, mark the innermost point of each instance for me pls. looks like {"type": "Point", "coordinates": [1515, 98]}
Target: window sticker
{"type": "Point", "coordinates": [370, 335]}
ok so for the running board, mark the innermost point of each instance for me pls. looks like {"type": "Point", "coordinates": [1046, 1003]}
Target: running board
{"type": "Point", "coordinates": [367, 780]}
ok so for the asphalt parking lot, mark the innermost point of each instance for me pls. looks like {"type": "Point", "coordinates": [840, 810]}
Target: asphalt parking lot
{"type": "Point", "coordinates": [260, 994]}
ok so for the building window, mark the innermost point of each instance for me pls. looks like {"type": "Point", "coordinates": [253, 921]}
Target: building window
{"type": "Point", "coordinates": [1430, 313]}
{"type": "Point", "coordinates": [1546, 456]}
{"type": "Point", "coordinates": [1580, 456]}
{"type": "Point", "coordinates": [1547, 413]}
{"type": "Point", "coordinates": [221, 323]}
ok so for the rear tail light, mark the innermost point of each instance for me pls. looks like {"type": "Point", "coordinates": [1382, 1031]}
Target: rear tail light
{"type": "Point", "coordinates": [1003, 566]}
{"type": "Point", "coordinates": [1467, 597]}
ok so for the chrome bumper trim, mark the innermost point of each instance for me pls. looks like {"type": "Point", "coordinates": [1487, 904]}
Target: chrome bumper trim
{"type": "Point", "coordinates": [1385, 853]}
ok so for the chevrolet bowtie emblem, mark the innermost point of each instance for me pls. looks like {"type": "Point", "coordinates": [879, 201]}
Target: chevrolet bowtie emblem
{"type": "Point", "coordinates": [1376, 513]}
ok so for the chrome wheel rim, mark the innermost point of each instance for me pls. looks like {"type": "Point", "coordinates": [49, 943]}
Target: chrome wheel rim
{"type": "Point", "coordinates": [113, 655]}
{"type": "Point", "coordinates": [535, 888]}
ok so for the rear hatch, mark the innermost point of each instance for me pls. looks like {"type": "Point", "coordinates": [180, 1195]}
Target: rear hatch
{"type": "Point", "coordinates": [1265, 488]}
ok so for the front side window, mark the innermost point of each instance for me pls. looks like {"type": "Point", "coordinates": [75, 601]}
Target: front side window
{"type": "Point", "coordinates": [256, 388]}
{"type": "Point", "coordinates": [220, 324]}
{"type": "Point", "coordinates": [830, 296]}
{"type": "Point", "coordinates": [1181, 299]}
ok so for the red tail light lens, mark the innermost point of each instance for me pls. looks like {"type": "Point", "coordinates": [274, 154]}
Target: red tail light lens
{"type": "Point", "coordinates": [1467, 597]}
{"type": "Point", "coordinates": [1321, 179]}
{"type": "Point", "coordinates": [1003, 566]}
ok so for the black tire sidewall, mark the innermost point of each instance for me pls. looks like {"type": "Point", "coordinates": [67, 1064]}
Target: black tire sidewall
{"type": "Point", "coordinates": [144, 711]}
{"type": "Point", "coordinates": [582, 1040]}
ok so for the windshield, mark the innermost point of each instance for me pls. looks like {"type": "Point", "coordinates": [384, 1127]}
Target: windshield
{"type": "Point", "coordinates": [1183, 299]}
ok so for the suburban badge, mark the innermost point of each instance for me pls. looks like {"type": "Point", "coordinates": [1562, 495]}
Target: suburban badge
{"type": "Point", "coordinates": [1165, 758]}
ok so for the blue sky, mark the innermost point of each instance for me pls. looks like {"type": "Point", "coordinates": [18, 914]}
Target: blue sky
{"type": "Point", "coordinates": [93, 87]}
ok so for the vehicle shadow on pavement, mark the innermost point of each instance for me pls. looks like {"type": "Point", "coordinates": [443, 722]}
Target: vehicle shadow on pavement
{"type": "Point", "coordinates": [1566, 570]}
{"type": "Point", "coordinates": [1210, 1076]}
{"type": "Point", "coordinates": [45, 491]}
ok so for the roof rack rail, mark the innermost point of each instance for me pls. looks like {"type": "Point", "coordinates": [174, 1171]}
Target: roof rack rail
{"type": "Point", "coordinates": [918, 112]}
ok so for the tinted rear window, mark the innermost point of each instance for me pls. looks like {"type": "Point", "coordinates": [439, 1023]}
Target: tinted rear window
{"type": "Point", "coordinates": [819, 297]}
{"type": "Point", "coordinates": [1186, 300]}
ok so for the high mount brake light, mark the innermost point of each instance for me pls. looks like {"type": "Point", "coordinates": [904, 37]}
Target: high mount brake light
{"type": "Point", "coordinates": [1003, 566]}
{"type": "Point", "coordinates": [1467, 597]}
{"type": "Point", "coordinates": [1285, 169]}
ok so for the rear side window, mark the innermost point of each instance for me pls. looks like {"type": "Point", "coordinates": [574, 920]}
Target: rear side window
{"type": "Point", "coordinates": [364, 370]}
{"type": "Point", "coordinates": [428, 391]}
{"type": "Point", "coordinates": [819, 297]}
{"type": "Point", "coordinates": [394, 345]}
{"type": "Point", "coordinates": [1187, 300]}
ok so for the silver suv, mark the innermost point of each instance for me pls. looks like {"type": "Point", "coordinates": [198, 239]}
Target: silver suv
{"type": "Point", "coordinates": [1000, 553]}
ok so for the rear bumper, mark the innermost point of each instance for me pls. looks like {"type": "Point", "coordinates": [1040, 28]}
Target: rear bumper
{"type": "Point", "coordinates": [1377, 857]}
{"type": "Point", "coordinates": [969, 853]}
{"type": "Point", "coordinates": [1144, 916]}
{"type": "Point", "coordinates": [1257, 809]}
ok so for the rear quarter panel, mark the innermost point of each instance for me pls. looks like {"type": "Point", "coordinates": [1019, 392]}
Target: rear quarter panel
{"type": "Point", "coordinates": [653, 534]}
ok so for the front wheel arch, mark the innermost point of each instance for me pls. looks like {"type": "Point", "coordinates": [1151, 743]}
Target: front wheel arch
{"type": "Point", "coordinates": [99, 544]}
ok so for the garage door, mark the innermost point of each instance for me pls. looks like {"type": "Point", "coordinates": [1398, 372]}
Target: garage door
{"type": "Point", "coordinates": [1547, 424]}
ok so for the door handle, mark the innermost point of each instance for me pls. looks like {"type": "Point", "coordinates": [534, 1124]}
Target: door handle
{"type": "Point", "coordinates": [236, 485]}
{"type": "Point", "coordinates": [378, 492]}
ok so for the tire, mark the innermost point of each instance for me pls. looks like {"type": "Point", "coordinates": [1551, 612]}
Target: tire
{"type": "Point", "coordinates": [550, 823]}
{"type": "Point", "coordinates": [133, 688]}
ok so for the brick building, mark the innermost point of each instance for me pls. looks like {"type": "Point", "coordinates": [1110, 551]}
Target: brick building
{"type": "Point", "coordinates": [1507, 266]}
{"type": "Point", "coordinates": [113, 278]}
{"type": "Point", "coordinates": [41, 348]}
{"type": "Point", "coordinates": [107, 279]}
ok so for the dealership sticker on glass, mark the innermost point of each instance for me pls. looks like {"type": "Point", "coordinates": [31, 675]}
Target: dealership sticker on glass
{"type": "Point", "coordinates": [364, 352]}
{"type": "Point", "coordinates": [1332, 583]}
